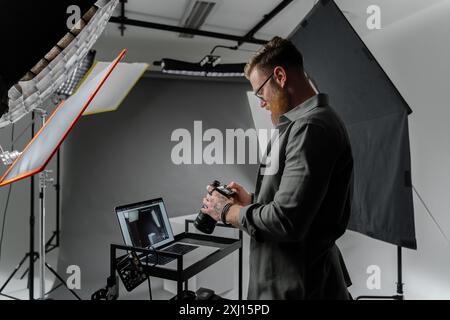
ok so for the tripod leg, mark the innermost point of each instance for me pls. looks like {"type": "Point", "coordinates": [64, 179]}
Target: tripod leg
{"type": "Point", "coordinates": [8, 296]}
{"type": "Point", "coordinates": [62, 280]}
{"type": "Point", "coordinates": [54, 288]}
{"type": "Point", "coordinates": [49, 246]}
{"type": "Point", "coordinates": [35, 257]}
{"type": "Point", "coordinates": [14, 272]}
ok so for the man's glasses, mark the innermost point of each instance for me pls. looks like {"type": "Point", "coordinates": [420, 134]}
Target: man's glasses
{"type": "Point", "coordinates": [257, 92]}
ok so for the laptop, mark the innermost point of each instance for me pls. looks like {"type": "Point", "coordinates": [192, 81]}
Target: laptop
{"type": "Point", "coordinates": [146, 225]}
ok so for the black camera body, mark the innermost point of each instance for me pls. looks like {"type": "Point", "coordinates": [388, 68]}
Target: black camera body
{"type": "Point", "coordinates": [204, 222]}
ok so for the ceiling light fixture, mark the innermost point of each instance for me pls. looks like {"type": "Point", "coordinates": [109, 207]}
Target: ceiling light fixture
{"type": "Point", "coordinates": [214, 69]}
{"type": "Point", "coordinates": [195, 15]}
{"type": "Point", "coordinates": [209, 66]}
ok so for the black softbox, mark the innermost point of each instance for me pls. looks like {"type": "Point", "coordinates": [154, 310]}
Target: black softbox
{"type": "Point", "coordinates": [376, 117]}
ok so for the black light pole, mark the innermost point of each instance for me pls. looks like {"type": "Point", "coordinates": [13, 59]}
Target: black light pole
{"type": "Point", "coordinates": [57, 189]}
{"type": "Point", "coordinates": [32, 220]}
{"type": "Point", "coordinates": [31, 254]}
{"type": "Point", "coordinates": [399, 295]}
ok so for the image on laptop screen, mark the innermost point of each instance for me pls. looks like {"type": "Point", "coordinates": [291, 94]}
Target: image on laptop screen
{"type": "Point", "coordinates": [145, 225]}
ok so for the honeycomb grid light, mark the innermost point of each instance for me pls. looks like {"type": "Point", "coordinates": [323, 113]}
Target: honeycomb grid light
{"type": "Point", "coordinates": [29, 94]}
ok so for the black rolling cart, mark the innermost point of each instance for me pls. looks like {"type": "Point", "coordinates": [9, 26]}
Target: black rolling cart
{"type": "Point", "coordinates": [136, 273]}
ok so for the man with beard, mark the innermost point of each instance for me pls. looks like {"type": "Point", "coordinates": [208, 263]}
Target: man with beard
{"type": "Point", "coordinates": [295, 215]}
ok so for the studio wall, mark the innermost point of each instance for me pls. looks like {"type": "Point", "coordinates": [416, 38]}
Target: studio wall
{"type": "Point", "coordinates": [125, 156]}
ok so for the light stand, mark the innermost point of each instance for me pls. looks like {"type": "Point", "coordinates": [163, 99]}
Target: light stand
{"type": "Point", "coordinates": [43, 247]}
{"type": "Point", "coordinates": [56, 233]}
{"type": "Point", "coordinates": [43, 180]}
{"type": "Point", "coordinates": [45, 144]}
{"type": "Point", "coordinates": [399, 295]}
{"type": "Point", "coordinates": [31, 254]}
{"type": "Point", "coordinates": [50, 246]}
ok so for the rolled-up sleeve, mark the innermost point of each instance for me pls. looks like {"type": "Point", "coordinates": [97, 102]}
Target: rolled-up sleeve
{"type": "Point", "coordinates": [310, 155]}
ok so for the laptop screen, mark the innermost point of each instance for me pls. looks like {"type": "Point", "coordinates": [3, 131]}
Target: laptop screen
{"type": "Point", "coordinates": [145, 224]}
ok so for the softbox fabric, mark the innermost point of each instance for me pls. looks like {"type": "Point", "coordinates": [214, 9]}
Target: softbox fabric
{"type": "Point", "coordinates": [46, 142]}
{"type": "Point", "coordinates": [376, 117]}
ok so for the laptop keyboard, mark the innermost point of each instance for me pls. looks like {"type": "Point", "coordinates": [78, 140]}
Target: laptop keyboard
{"type": "Point", "coordinates": [162, 260]}
{"type": "Point", "coordinates": [180, 248]}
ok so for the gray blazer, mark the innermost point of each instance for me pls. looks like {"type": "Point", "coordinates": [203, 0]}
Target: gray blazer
{"type": "Point", "coordinates": [302, 208]}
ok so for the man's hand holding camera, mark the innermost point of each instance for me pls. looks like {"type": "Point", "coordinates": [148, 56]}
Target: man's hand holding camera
{"type": "Point", "coordinates": [224, 209]}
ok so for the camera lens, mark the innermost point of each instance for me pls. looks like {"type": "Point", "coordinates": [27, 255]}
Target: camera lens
{"type": "Point", "coordinates": [205, 223]}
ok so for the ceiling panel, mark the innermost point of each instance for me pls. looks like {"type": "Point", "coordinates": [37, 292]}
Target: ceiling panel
{"type": "Point", "coordinates": [235, 17]}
